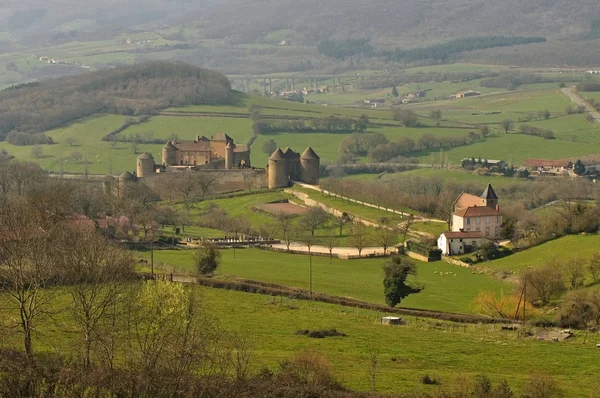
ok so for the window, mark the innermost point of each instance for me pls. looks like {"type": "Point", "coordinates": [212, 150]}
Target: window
{"type": "Point", "coordinates": [478, 220]}
{"type": "Point", "coordinates": [468, 221]}
{"type": "Point", "coordinates": [487, 220]}
{"type": "Point", "coordinates": [461, 241]}
{"type": "Point", "coordinates": [497, 220]}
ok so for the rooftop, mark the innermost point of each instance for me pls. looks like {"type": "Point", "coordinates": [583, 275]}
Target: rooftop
{"type": "Point", "coordinates": [309, 154]}
{"type": "Point", "coordinates": [463, 235]}
{"type": "Point", "coordinates": [477, 211]}
{"type": "Point", "coordinates": [489, 193]}
{"type": "Point", "coordinates": [277, 155]}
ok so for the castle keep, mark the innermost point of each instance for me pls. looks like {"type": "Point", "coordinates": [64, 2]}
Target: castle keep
{"type": "Point", "coordinates": [219, 149]}
{"type": "Point", "coordinates": [287, 166]}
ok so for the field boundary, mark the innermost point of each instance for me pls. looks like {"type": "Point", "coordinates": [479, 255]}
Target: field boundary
{"type": "Point", "coordinates": [272, 289]}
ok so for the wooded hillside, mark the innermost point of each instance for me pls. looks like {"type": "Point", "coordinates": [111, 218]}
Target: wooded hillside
{"type": "Point", "coordinates": [132, 90]}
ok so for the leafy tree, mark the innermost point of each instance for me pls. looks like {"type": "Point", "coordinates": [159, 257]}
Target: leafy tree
{"type": "Point", "coordinates": [396, 270]}
{"type": "Point", "coordinates": [484, 131]}
{"type": "Point", "coordinates": [546, 114]}
{"type": "Point", "coordinates": [395, 92]}
{"type": "Point", "coordinates": [207, 258]}
{"type": "Point", "coordinates": [362, 123]}
{"type": "Point", "coordinates": [406, 117]}
{"type": "Point", "coordinates": [506, 125]}
{"type": "Point", "coordinates": [269, 147]}
{"type": "Point", "coordinates": [579, 168]}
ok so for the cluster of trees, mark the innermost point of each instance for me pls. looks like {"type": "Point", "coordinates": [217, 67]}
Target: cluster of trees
{"type": "Point", "coordinates": [511, 81]}
{"type": "Point", "coordinates": [546, 134]}
{"type": "Point", "coordinates": [570, 109]}
{"type": "Point", "coordinates": [132, 90]}
{"type": "Point", "coordinates": [539, 115]}
{"type": "Point", "coordinates": [588, 86]}
{"type": "Point", "coordinates": [24, 139]}
{"type": "Point", "coordinates": [342, 49]}
{"type": "Point", "coordinates": [400, 78]}
{"type": "Point", "coordinates": [406, 117]}
{"type": "Point", "coordinates": [330, 124]}
{"type": "Point", "coordinates": [443, 51]}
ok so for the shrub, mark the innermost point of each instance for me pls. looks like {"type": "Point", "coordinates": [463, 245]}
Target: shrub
{"type": "Point", "coordinates": [320, 334]}
{"type": "Point", "coordinates": [429, 380]}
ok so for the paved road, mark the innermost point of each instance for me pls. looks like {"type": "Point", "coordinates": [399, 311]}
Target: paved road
{"type": "Point", "coordinates": [571, 93]}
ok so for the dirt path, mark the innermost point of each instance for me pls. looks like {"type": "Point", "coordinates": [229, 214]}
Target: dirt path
{"type": "Point", "coordinates": [337, 251]}
{"type": "Point", "coordinates": [571, 93]}
{"type": "Point", "coordinates": [318, 189]}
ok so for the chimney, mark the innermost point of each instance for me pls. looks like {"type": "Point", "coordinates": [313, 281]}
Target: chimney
{"type": "Point", "coordinates": [497, 207]}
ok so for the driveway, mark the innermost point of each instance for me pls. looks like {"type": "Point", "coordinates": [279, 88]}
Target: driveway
{"type": "Point", "coordinates": [571, 93]}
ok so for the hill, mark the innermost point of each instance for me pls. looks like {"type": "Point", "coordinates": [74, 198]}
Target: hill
{"type": "Point", "coordinates": [132, 90]}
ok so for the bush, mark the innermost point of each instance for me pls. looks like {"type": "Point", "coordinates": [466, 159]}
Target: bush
{"type": "Point", "coordinates": [429, 380]}
{"type": "Point", "coordinates": [207, 258]}
{"type": "Point", "coordinates": [320, 334]}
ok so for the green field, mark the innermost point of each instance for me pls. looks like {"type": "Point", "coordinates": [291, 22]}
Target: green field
{"type": "Point", "coordinates": [406, 352]}
{"type": "Point", "coordinates": [562, 249]}
{"type": "Point", "coordinates": [360, 279]}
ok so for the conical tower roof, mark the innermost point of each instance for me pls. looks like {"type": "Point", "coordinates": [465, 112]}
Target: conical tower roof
{"type": "Point", "coordinates": [277, 155]}
{"type": "Point", "coordinates": [309, 154]}
{"type": "Point", "coordinates": [145, 156]}
{"type": "Point", "coordinates": [229, 145]}
{"type": "Point", "coordinates": [126, 176]}
{"type": "Point", "coordinates": [169, 145]}
{"type": "Point", "coordinates": [489, 193]}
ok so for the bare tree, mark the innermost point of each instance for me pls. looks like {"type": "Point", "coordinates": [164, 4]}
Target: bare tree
{"type": "Point", "coordinates": [386, 237]}
{"type": "Point", "coordinates": [405, 226]}
{"type": "Point", "coordinates": [24, 175]}
{"type": "Point", "coordinates": [360, 237]}
{"type": "Point", "coordinates": [186, 185]}
{"type": "Point", "coordinates": [332, 242]}
{"type": "Point", "coordinates": [506, 125]}
{"type": "Point", "coordinates": [313, 219]}
{"type": "Point", "coordinates": [371, 359]}
{"type": "Point", "coordinates": [285, 227]}
{"type": "Point", "coordinates": [5, 176]}
{"type": "Point", "coordinates": [341, 222]}
{"type": "Point", "coordinates": [594, 267]}
{"type": "Point", "coordinates": [309, 241]}
{"type": "Point", "coordinates": [71, 141]}
{"type": "Point", "coordinates": [76, 156]}
{"type": "Point", "coordinates": [205, 183]}
{"type": "Point", "coordinates": [36, 151]}
{"type": "Point", "coordinates": [574, 271]}
{"type": "Point", "coordinates": [98, 273]}
{"type": "Point", "coordinates": [28, 269]}
{"type": "Point", "coordinates": [544, 283]}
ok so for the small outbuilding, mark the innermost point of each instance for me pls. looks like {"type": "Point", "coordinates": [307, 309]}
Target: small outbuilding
{"type": "Point", "coordinates": [390, 320]}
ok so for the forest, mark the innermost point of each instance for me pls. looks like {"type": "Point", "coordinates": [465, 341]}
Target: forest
{"type": "Point", "coordinates": [132, 90]}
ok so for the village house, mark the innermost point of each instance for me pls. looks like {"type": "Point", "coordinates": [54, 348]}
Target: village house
{"type": "Point", "coordinates": [475, 221]}
{"type": "Point", "coordinates": [559, 167]}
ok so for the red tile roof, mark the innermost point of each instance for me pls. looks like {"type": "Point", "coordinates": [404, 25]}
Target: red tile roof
{"type": "Point", "coordinates": [477, 211]}
{"type": "Point", "coordinates": [545, 163]}
{"type": "Point", "coordinates": [463, 235]}
{"type": "Point", "coordinates": [466, 200]}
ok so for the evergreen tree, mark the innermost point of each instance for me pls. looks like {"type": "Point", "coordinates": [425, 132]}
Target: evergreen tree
{"type": "Point", "coordinates": [395, 92]}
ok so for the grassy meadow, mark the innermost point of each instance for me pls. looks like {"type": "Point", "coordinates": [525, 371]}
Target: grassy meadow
{"type": "Point", "coordinates": [360, 279]}
{"type": "Point", "coordinates": [561, 249]}
{"type": "Point", "coordinates": [406, 352]}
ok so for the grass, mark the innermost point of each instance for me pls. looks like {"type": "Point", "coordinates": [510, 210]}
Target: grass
{"type": "Point", "coordinates": [562, 249]}
{"type": "Point", "coordinates": [406, 352]}
{"type": "Point", "coordinates": [360, 279]}
{"type": "Point", "coordinates": [432, 228]}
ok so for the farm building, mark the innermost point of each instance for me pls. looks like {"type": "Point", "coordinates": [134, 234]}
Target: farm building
{"type": "Point", "coordinates": [219, 148]}
{"type": "Point", "coordinates": [475, 220]}
{"type": "Point", "coordinates": [456, 243]}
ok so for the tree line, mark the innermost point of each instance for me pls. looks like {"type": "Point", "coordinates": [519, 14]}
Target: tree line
{"type": "Point", "coordinates": [351, 47]}
{"type": "Point", "coordinates": [131, 90]}
{"type": "Point", "coordinates": [329, 124]}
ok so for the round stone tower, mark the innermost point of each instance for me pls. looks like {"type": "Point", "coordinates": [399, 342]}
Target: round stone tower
{"type": "Point", "coordinates": [145, 165]}
{"type": "Point", "coordinates": [125, 179]}
{"type": "Point", "coordinates": [279, 175]}
{"type": "Point", "coordinates": [168, 154]}
{"type": "Point", "coordinates": [310, 167]}
{"type": "Point", "coordinates": [229, 156]}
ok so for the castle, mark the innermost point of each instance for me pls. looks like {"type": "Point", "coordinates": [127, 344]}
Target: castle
{"type": "Point", "coordinates": [286, 166]}
{"type": "Point", "coordinates": [221, 153]}
{"type": "Point", "coordinates": [203, 151]}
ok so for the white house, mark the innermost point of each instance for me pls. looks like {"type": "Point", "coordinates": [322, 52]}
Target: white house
{"type": "Point", "coordinates": [454, 243]}
{"type": "Point", "coordinates": [475, 221]}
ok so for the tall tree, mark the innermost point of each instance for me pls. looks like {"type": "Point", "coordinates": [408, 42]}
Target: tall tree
{"type": "Point", "coordinates": [313, 219]}
{"type": "Point", "coordinates": [395, 272]}
{"type": "Point", "coordinates": [506, 125]}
